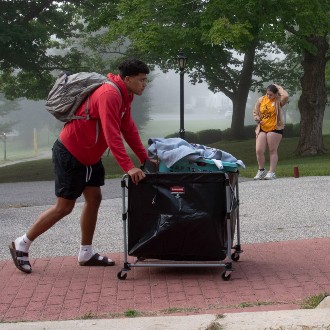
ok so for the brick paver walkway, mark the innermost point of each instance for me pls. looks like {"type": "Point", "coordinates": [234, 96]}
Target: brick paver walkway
{"type": "Point", "coordinates": [268, 276]}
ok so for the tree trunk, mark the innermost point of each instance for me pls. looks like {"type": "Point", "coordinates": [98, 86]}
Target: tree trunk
{"type": "Point", "coordinates": [241, 94]}
{"type": "Point", "coordinates": [313, 99]}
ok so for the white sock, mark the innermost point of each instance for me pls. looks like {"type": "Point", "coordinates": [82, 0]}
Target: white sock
{"type": "Point", "coordinates": [22, 243]}
{"type": "Point", "coordinates": [85, 253]}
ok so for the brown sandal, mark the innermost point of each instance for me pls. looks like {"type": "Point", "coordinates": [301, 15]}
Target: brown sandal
{"type": "Point", "coordinates": [95, 261]}
{"type": "Point", "coordinates": [17, 258]}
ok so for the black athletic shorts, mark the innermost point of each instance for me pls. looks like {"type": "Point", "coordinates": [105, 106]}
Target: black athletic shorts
{"type": "Point", "coordinates": [278, 131]}
{"type": "Point", "coordinates": [71, 177]}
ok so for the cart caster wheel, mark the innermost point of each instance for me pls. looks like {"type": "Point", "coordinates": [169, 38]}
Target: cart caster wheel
{"type": "Point", "coordinates": [122, 275]}
{"type": "Point", "coordinates": [225, 277]}
{"type": "Point", "coordinates": [235, 256]}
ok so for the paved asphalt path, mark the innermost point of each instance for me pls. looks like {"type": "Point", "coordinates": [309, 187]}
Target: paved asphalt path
{"type": "Point", "coordinates": [279, 210]}
{"type": "Point", "coordinates": [26, 194]}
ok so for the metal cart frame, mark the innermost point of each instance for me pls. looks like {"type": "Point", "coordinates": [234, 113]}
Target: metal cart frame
{"type": "Point", "coordinates": [232, 203]}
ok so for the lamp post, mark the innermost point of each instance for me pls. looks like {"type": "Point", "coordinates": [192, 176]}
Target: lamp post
{"type": "Point", "coordinates": [182, 60]}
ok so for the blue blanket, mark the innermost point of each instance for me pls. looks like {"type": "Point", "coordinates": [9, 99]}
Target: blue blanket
{"type": "Point", "coordinates": [172, 150]}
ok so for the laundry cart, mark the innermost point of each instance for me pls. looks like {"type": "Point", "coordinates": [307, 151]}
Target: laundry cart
{"type": "Point", "coordinates": [181, 219]}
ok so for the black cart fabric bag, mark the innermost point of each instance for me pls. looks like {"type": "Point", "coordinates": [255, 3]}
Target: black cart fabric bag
{"type": "Point", "coordinates": [178, 216]}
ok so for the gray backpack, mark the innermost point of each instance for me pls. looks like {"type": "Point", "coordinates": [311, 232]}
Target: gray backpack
{"type": "Point", "coordinates": [70, 90]}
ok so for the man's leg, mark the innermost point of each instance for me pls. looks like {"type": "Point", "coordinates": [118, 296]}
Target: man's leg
{"type": "Point", "coordinates": [19, 249]}
{"type": "Point", "coordinates": [48, 218]}
{"type": "Point", "coordinates": [88, 219]}
{"type": "Point", "coordinates": [93, 198]}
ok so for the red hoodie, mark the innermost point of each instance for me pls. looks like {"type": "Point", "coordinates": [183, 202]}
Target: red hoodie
{"type": "Point", "coordinates": [110, 113]}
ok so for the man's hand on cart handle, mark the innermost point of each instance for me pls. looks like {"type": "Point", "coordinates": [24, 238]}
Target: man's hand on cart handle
{"type": "Point", "coordinates": [136, 175]}
{"type": "Point", "coordinates": [154, 162]}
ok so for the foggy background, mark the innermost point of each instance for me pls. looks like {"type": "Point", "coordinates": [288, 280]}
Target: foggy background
{"type": "Point", "coordinates": [156, 112]}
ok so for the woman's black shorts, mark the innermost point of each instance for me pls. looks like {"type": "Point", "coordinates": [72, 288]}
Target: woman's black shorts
{"type": "Point", "coordinates": [71, 177]}
{"type": "Point", "coordinates": [278, 131]}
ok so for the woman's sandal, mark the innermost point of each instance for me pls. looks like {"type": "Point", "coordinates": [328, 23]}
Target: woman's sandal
{"type": "Point", "coordinates": [95, 261]}
{"type": "Point", "coordinates": [18, 259]}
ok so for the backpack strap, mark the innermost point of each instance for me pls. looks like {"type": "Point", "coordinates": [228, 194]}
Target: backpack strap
{"type": "Point", "coordinates": [87, 106]}
{"type": "Point", "coordinates": [106, 82]}
{"type": "Point", "coordinates": [117, 88]}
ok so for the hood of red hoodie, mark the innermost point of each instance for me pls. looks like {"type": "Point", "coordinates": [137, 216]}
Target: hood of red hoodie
{"type": "Point", "coordinates": [120, 83]}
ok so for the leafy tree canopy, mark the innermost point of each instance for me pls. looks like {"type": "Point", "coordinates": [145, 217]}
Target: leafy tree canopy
{"type": "Point", "coordinates": [214, 34]}
{"type": "Point", "coordinates": [231, 45]}
{"type": "Point", "coordinates": [36, 38]}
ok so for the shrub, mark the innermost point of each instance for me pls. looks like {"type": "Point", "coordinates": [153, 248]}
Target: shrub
{"type": "Point", "coordinates": [249, 132]}
{"type": "Point", "coordinates": [226, 134]}
{"type": "Point", "coordinates": [190, 137]}
{"type": "Point", "coordinates": [209, 136]}
{"type": "Point", "coordinates": [292, 130]}
{"type": "Point", "coordinates": [296, 130]}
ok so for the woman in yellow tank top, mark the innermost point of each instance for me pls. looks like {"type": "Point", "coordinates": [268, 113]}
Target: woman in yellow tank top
{"type": "Point", "coordinates": [268, 114]}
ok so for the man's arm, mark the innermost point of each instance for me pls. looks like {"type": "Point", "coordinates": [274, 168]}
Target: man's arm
{"type": "Point", "coordinates": [109, 104]}
{"type": "Point", "coordinates": [111, 120]}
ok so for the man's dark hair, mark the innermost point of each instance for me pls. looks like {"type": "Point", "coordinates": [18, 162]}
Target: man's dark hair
{"type": "Point", "coordinates": [132, 67]}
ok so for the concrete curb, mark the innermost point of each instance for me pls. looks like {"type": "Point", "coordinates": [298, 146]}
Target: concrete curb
{"type": "Point", "coordinates": [304, 319]}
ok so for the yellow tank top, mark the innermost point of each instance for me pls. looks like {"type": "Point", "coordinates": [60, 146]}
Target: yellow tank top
{"type": "Point", "coordinates": [268, 114]}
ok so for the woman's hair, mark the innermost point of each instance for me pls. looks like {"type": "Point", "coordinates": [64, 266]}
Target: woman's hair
{"type": "Point", "coordinates": [272, 88]}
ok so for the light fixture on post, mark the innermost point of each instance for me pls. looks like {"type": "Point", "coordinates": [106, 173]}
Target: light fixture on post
{"type": "Point", "coordinates": [182, 60]}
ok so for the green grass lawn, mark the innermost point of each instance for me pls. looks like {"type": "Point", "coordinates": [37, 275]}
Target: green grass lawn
{"type": "Point", "coordinates": [40, 170]}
